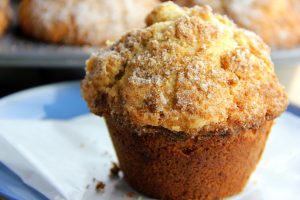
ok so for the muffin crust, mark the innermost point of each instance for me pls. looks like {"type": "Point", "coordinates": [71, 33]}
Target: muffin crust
{"type": "Point", "coordinates": [189, 71]}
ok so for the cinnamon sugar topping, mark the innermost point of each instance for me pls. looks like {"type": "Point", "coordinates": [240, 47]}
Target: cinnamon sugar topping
{"type": "Point", "coordinates": [190, 70]}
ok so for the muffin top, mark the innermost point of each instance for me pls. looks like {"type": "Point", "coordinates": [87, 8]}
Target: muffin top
{"type": "Point", "coordinates": [189, 71]}
{"type": "Point", "coordinates": [276, 21]}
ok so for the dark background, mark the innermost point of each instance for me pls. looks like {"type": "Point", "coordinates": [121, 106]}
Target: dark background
{"type": "Point", "coordinates": [13, 79]}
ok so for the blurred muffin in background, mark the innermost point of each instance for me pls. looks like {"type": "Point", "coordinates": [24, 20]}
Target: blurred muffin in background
{"type": "Point", "coordinates": [5, 15]}
{"type": "Point", "coordinates": [81, 22]}
{"type": "Point", "coordinates": [276, 21]}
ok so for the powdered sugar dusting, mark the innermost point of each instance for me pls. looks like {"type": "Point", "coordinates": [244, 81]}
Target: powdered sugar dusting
{"type": "Point", "coordinates": [276, 21]}
{"type": "Point", "coordinates": [92, 20]}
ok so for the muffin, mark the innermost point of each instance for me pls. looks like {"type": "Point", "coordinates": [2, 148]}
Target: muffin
{"type": "Point", "coordinates": [81, 22]}
{"type": "Point", "coordinates": [5, 15]}
{"type": "Point", "coordinates": [189, 102]}
{"type": "Point", "coordinates": [276, 21]}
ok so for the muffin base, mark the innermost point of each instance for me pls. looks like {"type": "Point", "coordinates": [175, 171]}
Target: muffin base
{"type": "Point", "coordinates": [168, 165]}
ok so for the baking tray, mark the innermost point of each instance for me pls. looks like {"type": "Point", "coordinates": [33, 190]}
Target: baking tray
{"type": "Point", "coordinates": [16, 51]}
{"type": "Point", "coordinates": [19, 51]}
{"type": "Point", "coordinates": [286, 57]}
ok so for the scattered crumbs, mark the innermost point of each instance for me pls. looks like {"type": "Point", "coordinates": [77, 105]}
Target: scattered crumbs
{"type": "Point", "coordinates": [100, 186]}
{"type": "Point", "coordinates": [87, 186]}
{"type": "Point", "coordinates": [130, 194]}
{"type": "Point", "coordinates": [114, 170]}
{"type": "Point", "coordinates": [94, 179]}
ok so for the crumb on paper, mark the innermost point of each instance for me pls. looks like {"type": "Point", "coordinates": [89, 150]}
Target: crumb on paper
{"type": "Point", "coordinates": [94, 180]}
{"type": "Point", "coordinates": [100, 186]}
{"type": "Point", "coordinates": [114, 170]}
{"type": "Point", "coordinates": [87, 186]}
{"type": "Point", "coordinates": [130, 194]}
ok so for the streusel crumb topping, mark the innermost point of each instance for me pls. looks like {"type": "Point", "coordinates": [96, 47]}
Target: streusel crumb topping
{"type": "Point", "coordinates": [190, 70]}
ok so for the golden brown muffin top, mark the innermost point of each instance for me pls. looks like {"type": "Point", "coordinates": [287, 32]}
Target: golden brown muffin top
{"type": "Point", "coordinates": [190, 71]}
{"type": "Point", "coordinates": [276, 21]}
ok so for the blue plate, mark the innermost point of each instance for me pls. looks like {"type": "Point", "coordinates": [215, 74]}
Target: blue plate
{"type": "Point", "coordinates": [57, 101]}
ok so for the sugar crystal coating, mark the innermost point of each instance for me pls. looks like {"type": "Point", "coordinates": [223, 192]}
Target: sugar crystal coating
{"type": "Point", "coordinates": [83, 21]}
{"type": "Point", "coordinates": [190, 71]}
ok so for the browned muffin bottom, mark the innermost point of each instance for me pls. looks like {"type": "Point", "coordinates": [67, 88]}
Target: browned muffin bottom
{"type": "Point", "coordinates": [5, 15]}
{"type": "Point", "coordinates": [167, 165]}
